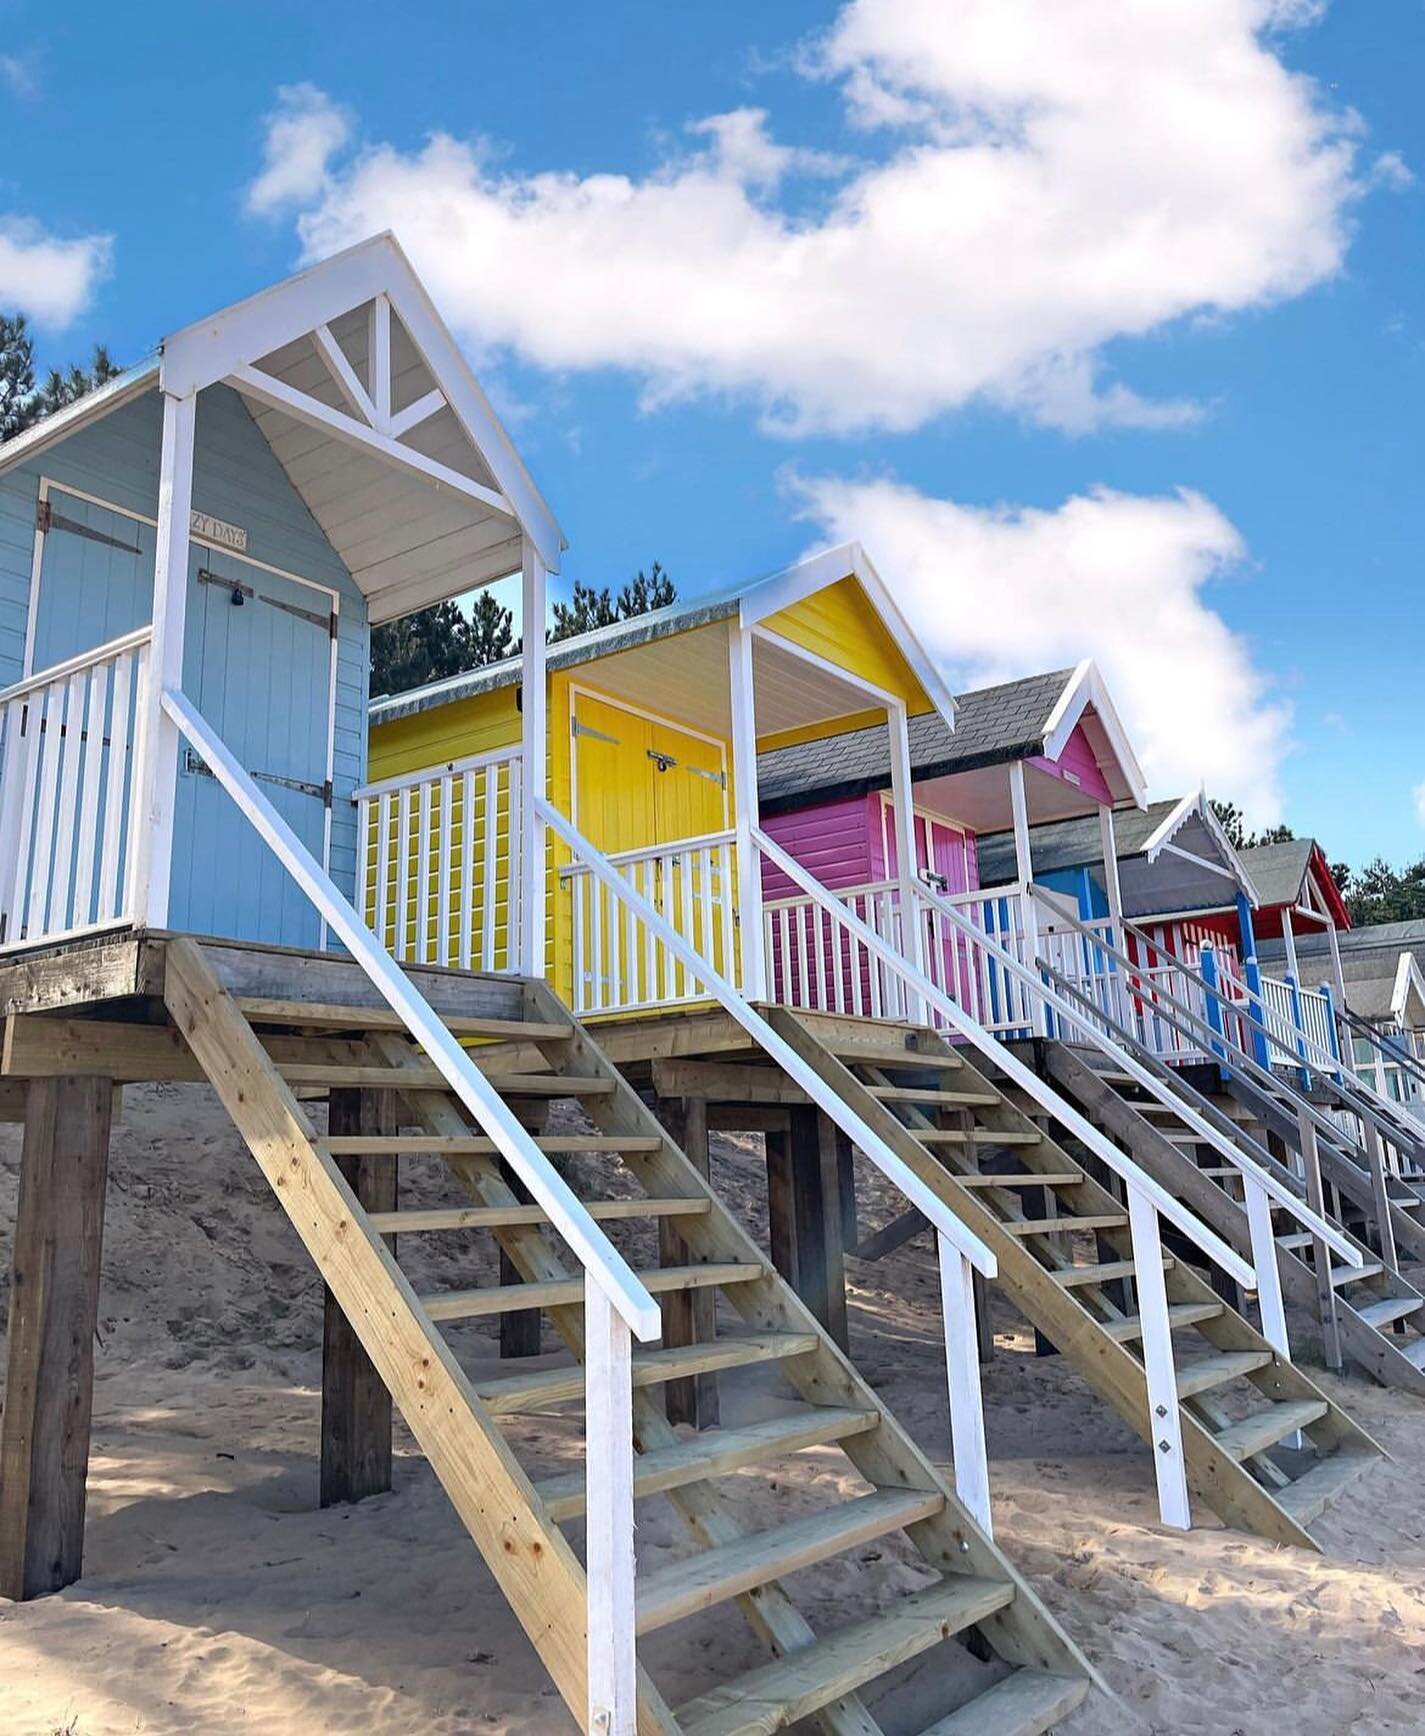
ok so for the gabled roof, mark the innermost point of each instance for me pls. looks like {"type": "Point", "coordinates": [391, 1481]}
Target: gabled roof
{"type": "Point", "coordinates": [375, 416]}
{"type": "Point", "coordinates": [1013, 720]}
{"type": "Point", "coordinates": [1286, 874]}
{"type": "Point", "coordinates": [1380, 966]}
{"type": "Point", "coordinates": [751, 604]}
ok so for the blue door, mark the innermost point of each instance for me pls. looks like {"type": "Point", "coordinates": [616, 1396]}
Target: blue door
{"type": "Point", "coordinates": [257, 664]}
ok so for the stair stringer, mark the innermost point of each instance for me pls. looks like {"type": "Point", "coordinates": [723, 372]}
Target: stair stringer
{"type": "Point", "coordinates": [1343, 1172]}
{"type": "Point", "coordinates": [1114, 1373]}
{"type": "Point", "coordinates": [1024, 1633]}
{"type": "Point", "coordinates": [1175, 1170]}
{"type": "Point", "coordinates": [529, 1557]}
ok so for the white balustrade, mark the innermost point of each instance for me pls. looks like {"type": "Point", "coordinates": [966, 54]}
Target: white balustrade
{"type": "Point", "coordinates": [621, 965]}
{"type": "Point", "coordinates": [69, 764]}
{"type": "Point", "coordinates": [438, 863]}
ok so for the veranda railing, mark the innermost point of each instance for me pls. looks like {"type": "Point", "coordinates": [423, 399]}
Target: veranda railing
{"type": "Point", "coordinates": [70, 759]}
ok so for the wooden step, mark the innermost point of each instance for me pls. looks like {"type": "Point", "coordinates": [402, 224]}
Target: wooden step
{"type": "Point", "coordinates": [1387, 1312]}
{"type": "Point", "coordinates": [503, 1394]}
{"type": "Point", "coordinates": [1265, 1429]}
{"type": "Point", "coordinates": [976, 1136]}
{"type": "Point", "coordinates": [1072, 1276]}
{"type": "Point", "coordinates": [1062, 1226]}
{"type": "Point", "coordinates": [1182, 1314]}
{"type": "Point", "coordinates": [714, 1575]}
{"type": "Point", "coordinates": [853, 1054]}
{"type": "Point", "coordinates": [422, 1078]}
{"type": "Point", "coordinates": [1297, 1239]}
{"type": "Point", "coordinates": [477, 1145]}
{"type": "Point", "coordinates": [1206, 1372]}
{"type": "Point", "coordinates": [792, 1688]}
{"type": "Point", "coordinates": [1025, 1703]}
{"type": "Point", "coordinates": [508, 1217]}
{"type": "Point", "coordinates": [1343, 1275]}
{"type": "Point", "coordinates": [1308, 1496]}
{"type": "Point", "coordinates": [926, 1094]}
{"type": "Point", "coordinates": [1223, 1172]}
{"type": "Point", "coordinates": [1413, 1351]}
{"type": "Point", "coordinates": [261, 1011]}
{"type": "Point", "coordinates": [569, 1292]}
{"type": "Point", "coordinates": [716, 1453]}
{"type": "Point", "coordinates": [1055, 1178]}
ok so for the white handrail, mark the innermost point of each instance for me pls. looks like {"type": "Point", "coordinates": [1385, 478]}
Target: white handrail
{"type": "Point", "coordinates": [652, 852]}
{"type": "Point", "coordinates": [1045, 1095]}
{"type": "Point", "coordinates": [965, 1241]}
{"type": "Point", "coordinates": [430, 774]}
{"type": "Point", "coordinates": [72, 665]}
{"type": "Point", "coordinates": [1206, 1132]}
{"type": "Point", "coordinates": [568, 1215]}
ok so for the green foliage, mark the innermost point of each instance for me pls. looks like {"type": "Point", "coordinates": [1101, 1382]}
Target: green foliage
{"type": "Point", "coordinates": [1380, 893]}
{"type": "Point", "coordinates": [22, 403]}
{"type": "Point", "coordinates": [589, 609]}
{"type": "Point", "coordinates": [1234, 824]}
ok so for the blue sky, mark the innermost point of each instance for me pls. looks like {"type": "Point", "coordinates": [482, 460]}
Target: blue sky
{"type": "Point", "coordinates": [975, 287]}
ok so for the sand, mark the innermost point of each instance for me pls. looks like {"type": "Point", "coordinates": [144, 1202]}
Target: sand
{"type": "Point", "coordinates": [217, 1597]}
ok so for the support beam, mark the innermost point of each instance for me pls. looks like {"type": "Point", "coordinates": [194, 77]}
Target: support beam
{"type": "Point", "coordinates": [804, 1219]}
{"type": "Point", "coordinates": [157, 746]}
{"type": "Point", "coordinates": [1024, 873]}
{"type": "Point", "coordinates": [356, 1406]}
{"type": "Point", "coordinates": [534, 699]}
{"type": "Point", "coordinates": [54, 1307]}
{"type": "Point", "coordinates": [903, 814]}
{"type": "Point", "coordinates": [689, 1316]}
{"type": "Point", "coordinates": [746, 816]}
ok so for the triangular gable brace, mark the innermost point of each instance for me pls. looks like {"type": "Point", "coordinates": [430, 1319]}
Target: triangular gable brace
{"type": "Point", "coordinates": [1087, 689]}
{"type": "Point", "coordinates": [1409, 982]}
{"type": "Point", "coordinates": [1197, 806]}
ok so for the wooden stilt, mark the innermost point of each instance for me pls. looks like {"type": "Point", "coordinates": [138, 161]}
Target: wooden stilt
{"type": "Point", "coordinates": [54, 1307]}
{"type": "Point", "coordinates": [356, 1406]}
{"type": "Point", "coordinates": [519, 1329]}
{"type": "Point", "coordinates": [690, 1316]}
{"type": "Point", "coordinates": [803, 1198]}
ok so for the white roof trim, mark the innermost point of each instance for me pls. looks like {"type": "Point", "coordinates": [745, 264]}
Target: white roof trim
{"type": "Point", "coordinates": [122, 389]}
{"type": "Point", "coordinates": [1198, 805]}
{"type": "Point", "coordinates": [1086, 687]}
{"type": "Point", "coordinates": [220, 346]}
{"type": "Point", "coordinates": [1408, 978]}
{"type": "Point", "coordinates": [819, 572]}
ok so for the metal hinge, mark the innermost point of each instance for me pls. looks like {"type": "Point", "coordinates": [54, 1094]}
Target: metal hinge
{"type": "Point", "coordinates": [718, 778]}
{"type": "Point", "coordinates": [576, 728]}
{"type": "Point", "coordinates": [43, 516]}
{"type": "Point", "coordinates": [47, 519]}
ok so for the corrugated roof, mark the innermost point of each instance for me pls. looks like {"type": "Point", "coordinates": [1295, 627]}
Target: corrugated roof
{"type": "Point", "coordinates": [993, 725]}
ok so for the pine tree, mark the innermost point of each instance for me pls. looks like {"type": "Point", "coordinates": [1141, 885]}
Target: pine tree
{"type": "Point", "coordinates": [642, 595]}
{"type": "Point", "coordinates": [585, 610]}
{"type": "Point", "coordinates": [491, 636]}
{"type": "Point", "coordinates": [17, 375]}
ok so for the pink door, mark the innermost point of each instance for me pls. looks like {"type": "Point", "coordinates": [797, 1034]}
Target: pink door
{"type": "Point", "coordinates": [945, 862]}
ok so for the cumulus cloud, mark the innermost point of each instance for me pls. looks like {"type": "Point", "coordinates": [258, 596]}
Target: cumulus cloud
{"type": "Point", "coordinates": [1022, 182]}
{"type": "Point", "coordinates": [303, 133]}
{"type": "Point", "coordinates": [999, 592]}
{"type": "Point", "coordinates": [49, 278]}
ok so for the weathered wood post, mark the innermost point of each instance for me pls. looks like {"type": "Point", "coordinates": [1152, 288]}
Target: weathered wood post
{"type": "Point", "coordinates": [54, 1310]}
{"type": "Point", "coordinates": [689, 1316]}
{"type": "Point", "coordinates": [804, 1213]}
{"type": "Point", "coordinates": [356, 1407]}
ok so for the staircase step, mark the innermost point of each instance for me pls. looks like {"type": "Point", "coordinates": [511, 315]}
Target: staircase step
{"type": "Point", "coordinates": [421, 1078]}
{"type": "Point", "coordinates": [1224, 1172]}
{"type": "Point", "coordinates": [1265, 1429]}
{"type": "Point", "coordinates": [1393, 1308]}
{"type": "Point", "coordinates": [1025, 1703]}
{"type": "Point", "coordinates": [715, 1453]}
{"type": "Point", "coordinates": [516, 1392]}
{"type": "Point", "coordinates": [854, 1054]}
{"type": "Point", "coordinates": [975, 1136]}
{"type": "Point", "coordinates": [261, 1011]}
{"type": "Point", "coordinates": [1295, 1239]}
{"type": "Point", "coordinates": [1308, 1497]}
{"type": "Point", "coordinates": [1058, 1226]}
{"type": "Point", "coordinates": [569, 1292]}
{"type": "Point", "coordinates": [507, 1217]}
{"type": "Point", "coordinates": [1072, 1276]}
{"type": "Point", "coordinates": [1182, 1314]}
{"type": "Point", "coordinates": [1206, 1372]}
{"type": "Point", "coordinates": [1342, 1275]}
{"type": "Point", "coordinates": [1413, 1351]}
{"type": "Point", "coordinates": [1058, 1178]}
{"type": "Point", "coordinates": [714, 1575]}
{"type": "Point", "coordinates": [476, 1145]}
{"type": "Point", "coordinates": [793, 1687]}
{"type": "Point", "coordinates": [927, 1094]}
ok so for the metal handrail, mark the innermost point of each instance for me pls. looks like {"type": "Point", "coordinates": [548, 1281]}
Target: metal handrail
{"type": "Point", "coordinates": [922, 988]}
{"type": "Point", "coordinates": [568, 1215]}
{"type": "Point", "coordinates": [1386, 1045]}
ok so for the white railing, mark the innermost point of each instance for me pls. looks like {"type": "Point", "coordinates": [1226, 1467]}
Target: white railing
{"type": "Point", "coordinates": [617, 1305]}
{"type": "Point", "coordinates": [960, 1250]}
{"type": "Point", "coordinates": [1147, 1200]}
{"type": "Point", "coordinates": [623, 966]}
{"type": "Point", "coordinates": [1388, 1060]}
{"type": "Point", "coordinates": [70, 754]}
{"type": "Point", "coordinates": [811, 964]}
{"type": "Point", "coordinates": [438, 862]}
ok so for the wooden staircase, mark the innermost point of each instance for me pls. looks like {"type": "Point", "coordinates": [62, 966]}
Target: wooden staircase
{"type": "Point", "coordinates": [1023, 1673]}
{"type": "Point", "coordinates": [1378, 1314]}
{"type": "Point", "coordinates": [1065, 1260]}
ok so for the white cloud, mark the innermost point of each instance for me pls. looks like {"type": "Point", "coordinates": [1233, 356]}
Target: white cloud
{"type": "Point", "coordinates": [999, 592]}
{"type": "Point", "coordinates": [1027, 180]}
{"type": "Point", "coordinates": [48, 278]}
{"type": "Point", "coordinates": [17, 73]}
{"type": "Point", "coordinates": [303, 133]}
{"type": "Point", "coordinates": [1418, 794]}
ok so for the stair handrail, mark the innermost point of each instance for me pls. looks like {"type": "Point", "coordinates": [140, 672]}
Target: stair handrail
{"type": "Point", "coordinates": [1378, 1039]}
{"type": "Point", "coordinates": [1357, 1096]}
{"type": "Point", "coordinates": [922, 988]}
{"type": "Point", "coordinates": [568, 1215]}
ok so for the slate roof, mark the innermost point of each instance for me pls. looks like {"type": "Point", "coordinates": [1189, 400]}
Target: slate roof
{"type": "Point", "coordinates": [1072, 843]}
{"type": "Point", "coordinates": [993, 725]}
{"type": "Point", "coordinates": [1278, 870]}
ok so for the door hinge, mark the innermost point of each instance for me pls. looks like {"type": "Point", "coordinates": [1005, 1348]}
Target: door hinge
{"type": "Point", "coordinates": [577, 729]}
{"type": "Point", "coordinates": [718, 778]}
{"type": "Point", "coordinates": [44, 516]}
